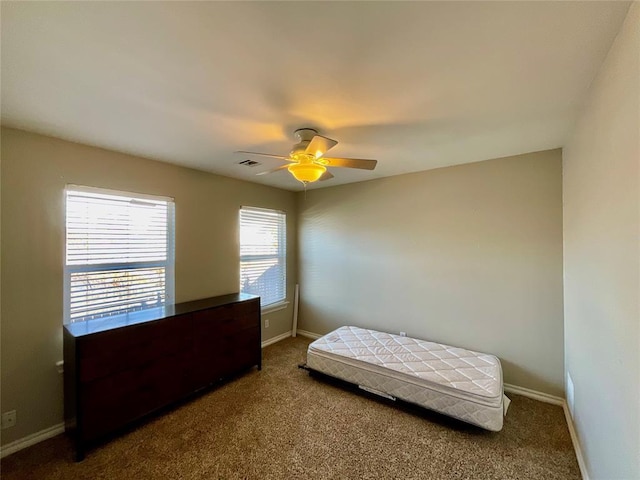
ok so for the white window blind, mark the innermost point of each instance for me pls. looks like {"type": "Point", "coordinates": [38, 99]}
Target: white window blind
{"type": "Point", "coordinates": [119, 252]}
{"type": "Point", "coordinates": [263, 248]}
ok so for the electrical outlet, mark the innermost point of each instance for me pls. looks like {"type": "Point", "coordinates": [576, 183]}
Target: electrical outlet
{"type": "Point", "coordinates": [9, 419]}
{"type": "Point", "coordinates": [266, 323]}
{"type": "Point", "coordinates": [403, 334]}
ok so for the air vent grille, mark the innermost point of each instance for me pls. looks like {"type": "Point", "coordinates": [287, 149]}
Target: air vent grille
{"type": "Point", "coordinates": [249, 163]}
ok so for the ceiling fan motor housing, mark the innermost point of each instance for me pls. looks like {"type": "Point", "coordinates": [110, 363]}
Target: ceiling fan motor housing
{"type": "Point", "coordinates": [304, 136]}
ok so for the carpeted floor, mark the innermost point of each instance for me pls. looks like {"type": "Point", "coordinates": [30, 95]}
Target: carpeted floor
{"type": "Point", "coordinates": [281, 423]}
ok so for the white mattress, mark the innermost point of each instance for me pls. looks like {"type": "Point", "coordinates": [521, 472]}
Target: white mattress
{"type": "Point", "coordinates": [457, 382]}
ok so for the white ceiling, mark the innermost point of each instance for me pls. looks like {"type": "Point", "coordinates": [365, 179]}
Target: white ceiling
{"type": "Point", "coordinates": [413, 85]}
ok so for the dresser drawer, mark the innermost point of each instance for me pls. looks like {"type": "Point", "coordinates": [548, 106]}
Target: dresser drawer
{"type": "Point", "coordinates": [228, 342]}
{"type": "Point", "coordinates": [205, 318]}
{"type": "Point", "coordinates": [114, 401]}
{"type": "Point", "coordinates": [118, 350]}
{"type": "Point", "coordinates": [238, 324]}
{"type": "Point", "coordinates": [210, 324]}
{"type": "Point", "coordinates": [239, 350]}
{"type": "Point", "coordinates": [247, 308]}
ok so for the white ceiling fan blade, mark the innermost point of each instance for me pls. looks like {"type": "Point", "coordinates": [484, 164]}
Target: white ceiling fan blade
{"type": "Point", "coordinates": [361, 163]}
{"type": "Point", "coordinates": [320, 145]}
{"type": "Point", "coordinates": [265, 155]}
{"type": "Point", "coordinates": [266, 172]}
{"type": "Point", "coordinates": [325, 176]}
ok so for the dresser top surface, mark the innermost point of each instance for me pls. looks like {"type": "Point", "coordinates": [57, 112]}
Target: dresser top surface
{"type": "Point", "coordinates": [88, 327]}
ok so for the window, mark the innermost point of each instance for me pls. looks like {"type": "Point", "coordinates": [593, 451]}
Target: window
{"type": "Point", "coordinates": [263, 248]}
{"type": "Point", "coordinates": [119, 253]}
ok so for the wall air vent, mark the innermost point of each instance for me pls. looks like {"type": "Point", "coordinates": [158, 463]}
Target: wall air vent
{"type": "Point", "coordinates": [249, 163]}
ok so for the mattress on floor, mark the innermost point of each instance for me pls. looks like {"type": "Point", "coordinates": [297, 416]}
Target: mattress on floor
{"type": "Point", "coordinates": [454, 381]}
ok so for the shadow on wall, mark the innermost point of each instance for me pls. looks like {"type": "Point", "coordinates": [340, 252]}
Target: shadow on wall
{"type": "Point", "coordinates": [511, 370]}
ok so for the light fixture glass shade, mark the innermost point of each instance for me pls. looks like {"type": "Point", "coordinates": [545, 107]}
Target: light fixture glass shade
{"type": "Point", "coordinates": [306, 172]}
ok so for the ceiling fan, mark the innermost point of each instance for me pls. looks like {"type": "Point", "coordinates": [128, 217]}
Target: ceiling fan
{"type": "Point", "coordinates": [307, 162]}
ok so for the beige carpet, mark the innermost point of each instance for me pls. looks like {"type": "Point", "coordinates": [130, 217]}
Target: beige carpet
{"type": "Point", "coordinates": [281, 423]}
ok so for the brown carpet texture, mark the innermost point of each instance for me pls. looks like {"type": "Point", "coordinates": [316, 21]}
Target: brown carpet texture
{"type": "Point", "coordinates": [280, 423]}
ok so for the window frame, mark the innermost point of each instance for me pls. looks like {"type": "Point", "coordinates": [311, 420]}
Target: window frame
{"type": "Point", "coordinates": [281, 303]}
{"type": "Point", "coordinates": [168, 264]}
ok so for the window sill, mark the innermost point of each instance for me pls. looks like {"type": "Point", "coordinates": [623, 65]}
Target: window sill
{"type": "Point", "coordinates": [274, 307]}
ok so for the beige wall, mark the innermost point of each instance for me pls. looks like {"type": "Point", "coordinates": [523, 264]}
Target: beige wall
{"type": "Point", "coordinates": [468, 255]}
{"type": "Point", "coordinates": [602, 262]}
{"type": "Point", "coordinates": [35, 170]}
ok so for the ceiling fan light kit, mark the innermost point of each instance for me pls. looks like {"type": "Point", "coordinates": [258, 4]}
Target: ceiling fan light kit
{"type": "Point", "coordinates": [308, 163]}
{"type": "Point", "coordinates": [307, 172]}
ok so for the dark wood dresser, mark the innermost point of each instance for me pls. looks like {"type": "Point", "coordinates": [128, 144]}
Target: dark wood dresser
{"type": "Point", "coordinates": [119, 369]}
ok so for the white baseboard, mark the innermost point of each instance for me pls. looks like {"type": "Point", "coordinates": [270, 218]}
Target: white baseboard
{"type": "Point", "coordinates": [545, 397]}
{"type": "Point", "coordinates": [535, 395]}
{"type": "Point", "coordinates": [275, 339]}
{"type": "Point", "coordinates": [311, 335]}
{"type": "Point", "coordinates": [576, 442]}
{"type": "Point", "coordinates": [527, 392]}
{"type": "Point", "coordinates": [32, 439]}
{"type": "Point", "coordinates": [50, 432]}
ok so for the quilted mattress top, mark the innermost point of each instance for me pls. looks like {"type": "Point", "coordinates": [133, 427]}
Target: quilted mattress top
{"type": "Point", "coordinates": [451, 367]}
